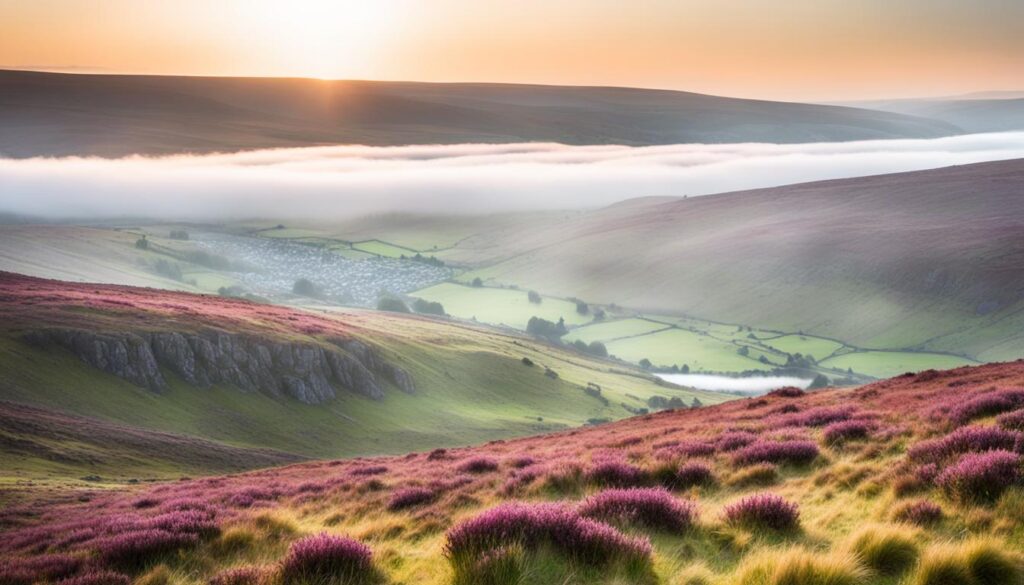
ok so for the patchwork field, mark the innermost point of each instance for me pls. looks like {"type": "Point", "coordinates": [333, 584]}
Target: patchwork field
{"type": "Point", "coordinates": [882, 364]}
{"type": "Point", "coordinates": [498, 306]}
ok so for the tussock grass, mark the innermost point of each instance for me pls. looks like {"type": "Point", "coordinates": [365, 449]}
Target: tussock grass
{"type": "Point", "coordinates": [797, 566]}
{"type": "Point", "coordinates": [887, 549]}
{"type": "Point", "coordinates": [976, 562]}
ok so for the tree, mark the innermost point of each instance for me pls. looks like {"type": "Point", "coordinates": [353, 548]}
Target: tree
{"type": "Point", "coordinates": [685, 369]}
{"type": "Point", "coordinates": [582, 308]}
{"type": "Point", "coordinates": [743, 351]}
{"type": "Point", "coordinates": [544, 328]}
{"type": "Point", "coordinates": [599, 315]}
{"type": "Point", "coordinates": [534, 297]}
{"type": "Point", "coordinates": [696, 403]}
{"type": "Point", "coordinates": [597, 348]}
{"type": "Point", "coordinates": [763, 359]}
{"type": "Point", "coordinates": [392, 304]}
{"type": "Point", "coordinates": [646, 364]}
{"type": "Point", "coordinates": [820, 381]}
{"type": "Point", "coordinates": [142, 243]}
{"type": "Point", "coordinates": [477, 282]}
{"type": "Point", "coordinates": [306, 288]}
{"type": "Point", "coordinates": [428, 307]}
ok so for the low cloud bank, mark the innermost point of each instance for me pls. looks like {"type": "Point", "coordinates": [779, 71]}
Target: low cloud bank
{"type": "Point", "coordinates": [346, 181]}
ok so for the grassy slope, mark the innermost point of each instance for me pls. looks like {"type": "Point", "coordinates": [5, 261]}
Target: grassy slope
{"type": "Point", "coordinates": [472, 384]}
{"type": "Point", "coordinates": [927, 260]}
{"type": "Point", "coordinates": [849, 488]}
{"type": "Point", "coordinates": [60, 114]}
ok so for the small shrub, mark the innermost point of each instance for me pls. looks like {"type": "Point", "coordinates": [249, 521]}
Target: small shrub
{"type": "Point", "coordinates": [1013, 421]}
{"type": "Point", "coordinates": [533, 526]}
{"type": "Point", "coordinates": [240, 576]}
{"type": "Point", "coordinates": [965, 440]}
{"type": "Point", "coordinates": [478, 465]}
{"type": "Point", "coordinates": [502, 566]}
{"type": "Point", "coordinates": [650, 507]}
{"type": "Point", "coordinates": [693, 474]}
{"type": "Point", "coordinates": [763, 511]}
{"type": "Point", "coordinates": [39, 568]}
{"type": "Point", "coordinates": [840, 432]}
{"type": "Point", "coordinates": [139, 548]}
{"type": "Point", "coordinates": [787, 392]}
{"type": "Point", "coordinates": [410, 497]}
{"type": "Point", "coordinates": [920, 512]}
{"type": "Point", "coordinates": [800, 567]}
{"type": "Point", "coordinates": [328, 559]}
{"type": "Point", "coordinates": [734, 440]}
{"type": "Point", "coordinates": [97, 578]}
{"type": "Point", "coordinates": [761, 474]}
{"type": "Point", "coordinates": [794, 452]}
{"type": "Point", "coordinates": [988, 404]}
{"type": "Point", "coordinates": [521, 461]}
{"type": "Point", "coordinates": [888, 550]}
{"type": "Point", "coordinates": [612, 473]}
{"type": "Point", "coordinates": [980, 476]}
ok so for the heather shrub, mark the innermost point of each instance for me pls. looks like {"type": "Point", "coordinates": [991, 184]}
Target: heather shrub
{"type": "Point", "coordinates": [889, 550]}
{"type": "Point", "coordinates": [793, 452]}
{"type": "Point", "coordinates": [815, 417]}
{"type": "Point", "coordinates": [522, 461]}
{"type": "Point", "coordinates": [761, 474]}
{"type": "Point", "coordinates": [502, 566]}
{"type": "Point", "coordinates": [920, 512]}
{"type": "Point", "coordinates": [693, 474]}
{"type": "Point", "coordinates": [689, 449]}
{"type": "Point", "coordinates": [325, 559]}
{"type": "Point", "coordinates": [980, 476]}
{"type": "Point", "coordinates": [988, 404]}
{"type": "Point", "coordinates": [565, 478]}
{"type": "Point", "coordinates": [965, 440]}
{"type": "Point", "coordinates": [797, 566]}
{"type": "Point", "coordinates": [847, 430]}
{"type": "Point", "coordinates": [649, 507]}
{"type": "Point", "coordinates": [478, 465]}
{"type": "Point", "coordinates": [410, 497]}
{"type": "Point", "coordinates": [140, 548]}
{"type": "Point", "coordinates": [787, 392]}
{"type": "Point", "coordinates": [533, 526]}
{"type": "Point", "coordinates": [611, 473]}
{"type": "Point", "coordinates": [369, 470]}
{"type": "Point", "coordinates": [241, 576]}
{"type": "Point", "coordinates": [734, 440]}
{"type": "Point", "coordinates": [97, 578]}
{"type": "Point", "coordinates": [764, 510]}
{"type": "Point", "coordinates": [1013, 421]}
{"type": "Point", "coordinates": [40, 568]}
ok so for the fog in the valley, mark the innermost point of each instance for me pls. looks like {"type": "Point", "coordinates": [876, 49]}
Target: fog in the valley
{"type": "Point", "coordinates": [345, 181]}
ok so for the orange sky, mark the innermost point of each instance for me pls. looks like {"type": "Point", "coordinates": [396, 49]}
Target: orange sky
{"type": "Point", "coordinates": [781, 49]}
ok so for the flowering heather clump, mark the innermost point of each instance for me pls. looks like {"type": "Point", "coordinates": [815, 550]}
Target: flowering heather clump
{"type": "Point", "coordinates": [816, 417]}
{"type": "Point", "coordinates": [692, 474]}
{"type": "Point", "coordinates": [437, 454]}
{"type": "Point", "coordinates": [651, 507]}
{"type": "Point", "coordinates": [734, 440]}
{"type": "Point", "coordinates": [987, 404]}
{"type": "Point", "coordinates": [980, 476]}
{"type": "Point", "coordinates": [478, 465]}
{"type": "Point", "coordinates": [787, 392]}
{"type": "Point", "coordinates": [534, 525]}
{"type": "Point", "coordinates": [33, 569]}
{"type": "Point", "coordinates": [795, 452]}
{"type": "Point", "coordinates": [97, 578]}
{"type": "Point", "coordinates": [763, 510]}
{"type": "Point", "coordinates": [521, 461]}
{"type": "Point", "coordinates": [920, 512]}
{"type": "Point", "coordinates": [693, 449]}
{"type": "Point", "coordinates": [410, 497]}
{"type": "Point", "coordinates": [965, 440]}
{"type": "Point", "coordinates": [136, 549]}
{"type": "Point", "coordinates": [240, 576]}
{"type": "Point", "coordinates": [326, 558]}
{"type": "Point", "coordinates": [1012, 420]}
{"type": "Point", "coordinates": [615, 474]}
{"type": "Point", "coordinates": [839, 432]}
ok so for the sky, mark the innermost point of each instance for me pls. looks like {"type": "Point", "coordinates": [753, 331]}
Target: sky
{"type": "Point", "coordinates": [801, 50]}
{"type": "Point", "coordinates": [338, 182]}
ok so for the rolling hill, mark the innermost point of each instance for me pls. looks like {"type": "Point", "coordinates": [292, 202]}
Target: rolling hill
{"type": "Point", "coordinates": [248, 385]}
{"type": "Point", "coordinates": [997, 113]}
{"type": "Point", "coordinates": [53, 114]}
{"type": "Point", "coordinates": [928, 260]}
{"type": "Point", "coordinates": [912, 480]}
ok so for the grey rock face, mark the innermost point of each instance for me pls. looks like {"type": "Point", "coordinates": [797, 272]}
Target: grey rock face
{"type": "Point", "coordinates": [309, 373]}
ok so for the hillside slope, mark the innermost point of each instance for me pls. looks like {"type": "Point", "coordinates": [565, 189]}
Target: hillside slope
{"type": "Point", "coordinates": [978, 114]}
{"type": "Point", "coordinates": [61, 115]}
{"type": "Point", "coordinates": [254, 376]}
{"type": "Point", "coordinates": [926, 260]}
{"type": "Point", "coordinates": [909, 480]}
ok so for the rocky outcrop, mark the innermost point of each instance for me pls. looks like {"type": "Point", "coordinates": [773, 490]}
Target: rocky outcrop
{"type": "Point", "coordinates": [308, 372]}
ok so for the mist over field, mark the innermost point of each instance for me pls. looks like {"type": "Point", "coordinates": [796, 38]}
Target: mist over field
{"type": "Point", "coordinates": [345, 181]}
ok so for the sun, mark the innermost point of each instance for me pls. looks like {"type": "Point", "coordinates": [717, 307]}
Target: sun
{"type": "Point", "coordinates": [322, 38]}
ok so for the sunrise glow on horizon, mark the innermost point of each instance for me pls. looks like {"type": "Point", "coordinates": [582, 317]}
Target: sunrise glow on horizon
{"type": "Point", "coordinates": [820, 50]}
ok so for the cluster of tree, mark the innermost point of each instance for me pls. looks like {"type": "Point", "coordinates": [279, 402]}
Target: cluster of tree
{"type": "Point", "coordinates": [543, 328]}
{"type": "Point", "coordinates": [204, 258]}
{"type": "Point", "coordinates": [595, 348]}
{"type": "Point", "coordinates": [477, 282]}
{"type": "Point", "coordinates": [142, 243]}
{"type": "Point", "coordinates": [680, 370]}
{"type": "Point", "coordinates": [582, 308]}
{"type": "Point", "coordinates": [178, 235]}
{"type": "Point", "coordinates": [168, 269]}
{"type": "Point", "coordinates": [594, 391]}
{"type": "Point", "coordinates": [743, 351]}
{"type": "Point", "coordinates": [534, 297]}
{"type": "Point", "coordinates": [797, 360]}
{"type": "Point", "coordinates": [428, 307]}
{"type": "Point", "coordinates": [431, 260]}
{"type": "Point", "coordinates": [820, 381]}
{"type": "Point", "coordinates": [392, 304]}
{"type": "Point", "coordinates": [307, 288]}
{"type": "Point", "coordinates": [633, 410]}
{"type": "Point", "coordinates": [661, 403]}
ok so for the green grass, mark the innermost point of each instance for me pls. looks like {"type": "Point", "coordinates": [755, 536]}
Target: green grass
{"type": "Point", "coordinates": [818, 347]}
{"type": "Point", "coordinates": [679, 346]}
{"type": "Point", "coordinates": [385, 249]}
{"type": "Point", "coordinates": [609, 330]}
{"type": "Point", "coordinates": [498, 306]}
{"type": "Point", "coordinates": [885, 364]}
